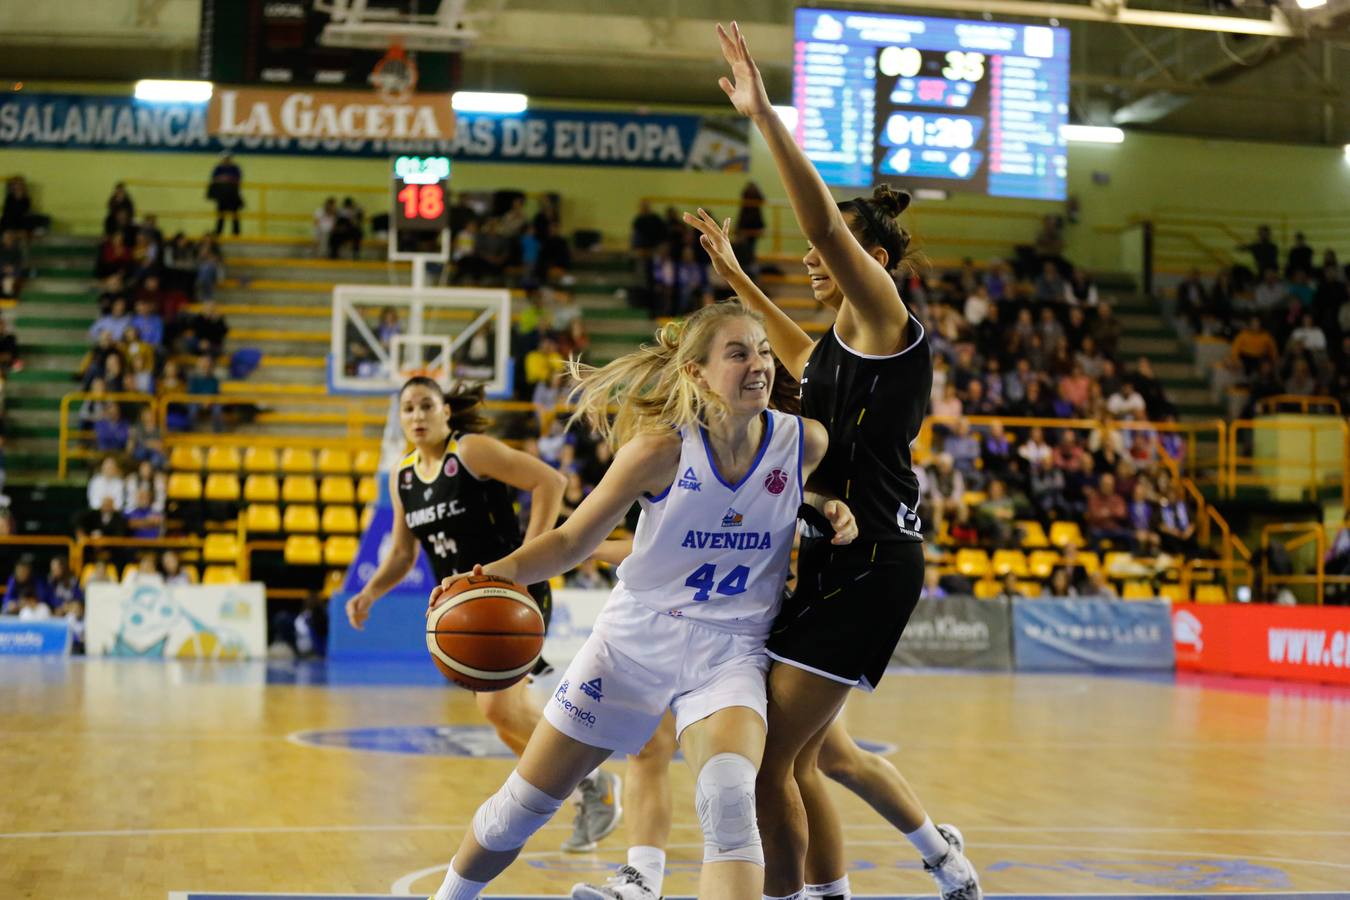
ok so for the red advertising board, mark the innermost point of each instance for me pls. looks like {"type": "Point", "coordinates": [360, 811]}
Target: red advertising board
{"type": "Point", "coordinates": [1296, 643]}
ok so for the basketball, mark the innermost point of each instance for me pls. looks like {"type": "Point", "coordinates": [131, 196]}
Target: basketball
{"type": "Point", "coordinates": [486, 634]}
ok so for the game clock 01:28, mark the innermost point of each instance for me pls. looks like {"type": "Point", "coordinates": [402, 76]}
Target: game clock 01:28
{"type": "Point", "coordinates": [421, 193]}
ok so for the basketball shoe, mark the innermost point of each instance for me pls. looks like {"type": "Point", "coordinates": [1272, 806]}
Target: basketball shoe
{"type": "Point", "coordinates": [598, 812]}
{"type": "Point", "coordinates": [625, 884]}
{"type": "Point", "coordinates": [954, 874]}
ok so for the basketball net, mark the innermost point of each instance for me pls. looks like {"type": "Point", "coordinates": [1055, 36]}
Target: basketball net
{"type": "Point", "coordinates": [395, 75]}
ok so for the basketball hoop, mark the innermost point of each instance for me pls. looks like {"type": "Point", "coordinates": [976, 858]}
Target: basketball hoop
{"type": "Point", "coordinates": [395, 75]}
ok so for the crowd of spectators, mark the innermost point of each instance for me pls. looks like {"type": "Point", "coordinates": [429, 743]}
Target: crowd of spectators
{"type": "Point", "coordinates": [494, 240]}
{"type": "Point", "coordinates": [1288, 326]}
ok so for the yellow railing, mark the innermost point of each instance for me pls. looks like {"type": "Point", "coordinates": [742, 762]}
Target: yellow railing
{"type": "Point", "coordinates": [354, 416]}
{"type": "Point", "coordinates": [1308, 474]}
{"type": "Point", "coordinates": [1234, 573]}
{"type": "Point", "coordinates": [1301, 403]}
{"type": "Point", "coordinates": [70, 446]}
{"type": "Point", "coordinates": [1205, 237]}
{"type": "Point", "coordinates": [1303, 534]}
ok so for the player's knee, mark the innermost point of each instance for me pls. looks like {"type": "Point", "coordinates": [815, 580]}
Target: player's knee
{"type": "Point", "coordinates": [725, 798]}
{"type": "Point", "coordinates": [837, 765]}
{"type": "Point", "coordinates": [506, 820]}
{"type": "Point", "coordinates": [659, 748]}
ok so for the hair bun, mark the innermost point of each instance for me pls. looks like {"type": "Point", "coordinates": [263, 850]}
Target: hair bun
{"type": "Point", "coordinates": [890, 201]}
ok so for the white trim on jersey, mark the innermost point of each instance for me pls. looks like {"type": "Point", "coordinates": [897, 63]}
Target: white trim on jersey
{"type": "Point", "coordinates": [916, 343]}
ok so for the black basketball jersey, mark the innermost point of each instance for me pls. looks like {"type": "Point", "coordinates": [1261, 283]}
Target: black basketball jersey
{"type": "Point", "coordinates": [873, 407]}
{"type": "Point", "coordinates": [459, 519]}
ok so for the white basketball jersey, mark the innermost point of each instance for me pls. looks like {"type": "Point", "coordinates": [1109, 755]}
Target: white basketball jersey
{"type": "Point", "coordinates": [714, 552]}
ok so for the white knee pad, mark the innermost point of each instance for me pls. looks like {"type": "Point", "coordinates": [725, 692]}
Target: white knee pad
{"type": "Point", "coordinates": [506, 820]}
{"type": "Point", "coordinates": [725, 798]}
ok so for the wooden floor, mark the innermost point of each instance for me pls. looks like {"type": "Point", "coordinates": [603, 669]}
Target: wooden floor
{"type": "Point", "coordinates": [142, 779]}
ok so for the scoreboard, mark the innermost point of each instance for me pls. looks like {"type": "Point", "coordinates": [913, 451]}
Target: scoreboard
{"type": "Point", "coordinates": [421, 190]}
{"type": "Point", "coordinates": [953, 104]}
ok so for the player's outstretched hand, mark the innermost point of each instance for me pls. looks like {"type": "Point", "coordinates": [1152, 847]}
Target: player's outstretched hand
{"type": "Point", "coordinates": [841, 517]}
{"type": "Point", "coordinates": [716, 239]}
{"type": "Point", "coordinates": [745, 88]}
{"type": "Point", "coordinates": [358, 610]}
{"type": "Point", "coordinates": [439, 591]}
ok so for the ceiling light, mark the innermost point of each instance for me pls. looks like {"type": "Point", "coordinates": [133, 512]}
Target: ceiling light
{"type": "Point", "coordinates": [1311, 4]}
{"type": "Point", "coordinates": [1092, 134]}
{"type": "Point", "coordinates": [155, 90]}
{"type": "Point", "coordinates": [480, 102]}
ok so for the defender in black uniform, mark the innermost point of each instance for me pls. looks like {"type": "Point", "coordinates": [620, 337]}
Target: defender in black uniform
{"type": "Point", "coordinates": [452, 497]}
{"type": "Point", "coordinates": [868, 380]}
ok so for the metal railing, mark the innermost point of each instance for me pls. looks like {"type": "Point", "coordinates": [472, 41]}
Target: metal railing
{"type": "Point", "coordinates": [1310, 474]}
{"type": "Point", "coordinates": [71, 441]}
{"type": "Point", "coordinates": [1302, 534]}
{"type": "Point", "coordinates": [1300, 403]}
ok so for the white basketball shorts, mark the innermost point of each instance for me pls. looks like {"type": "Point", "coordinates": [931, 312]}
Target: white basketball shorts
{"type": "Point", "coordinates": [638, 663]}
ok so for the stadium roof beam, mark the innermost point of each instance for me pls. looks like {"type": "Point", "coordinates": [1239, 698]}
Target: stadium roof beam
{"type": "Point", "coordinates": [1110, 11]}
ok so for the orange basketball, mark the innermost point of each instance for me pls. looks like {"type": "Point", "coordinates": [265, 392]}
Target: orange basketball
{"type": "Point", "coordinates": [486, 634]}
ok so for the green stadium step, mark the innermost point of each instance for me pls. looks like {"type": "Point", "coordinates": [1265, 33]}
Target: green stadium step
{"type": "Point", "coordinates": [58, 348]}
{"type": "Point", "coordinates": [20, 429]}
{"type": "Point", "coordinates": [24, 322]}
{"type": "Point", "coordinates": [615, 312]}
{"type": "Point", "coordinates": [32, 461]}
{"type": "Point", "coordinates": [37, 376]}
{"type": "Point", "coordinates": [63, 298]}
{"type": "Point", "coordinates": [29, 402]}
{"type": "Point", "coordinates": [46, 249]}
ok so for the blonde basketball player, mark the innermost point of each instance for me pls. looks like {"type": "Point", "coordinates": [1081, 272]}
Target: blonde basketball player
{"type": "Point", "coordinates": [452, 497]}
{"type": "Point", "coordinates": [719, 478]}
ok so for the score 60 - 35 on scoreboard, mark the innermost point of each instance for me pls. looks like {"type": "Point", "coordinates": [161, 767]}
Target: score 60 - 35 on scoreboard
{"type": "Point", "coordinates": [951, 104]}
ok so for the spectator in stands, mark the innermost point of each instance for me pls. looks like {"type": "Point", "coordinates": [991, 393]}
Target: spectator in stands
{"type": "Point", "coordinates": [1253, 345]}
{"type": "Point", "coordinates": [1140, 511]}
{"type": "Point", "coordinates": [107, 484]}
{"type": "Point", "coordinates": [111, 433]}
{"type": "Point", "coordinates": [1090, 358]}
{"type": "Point", "coordinates": [210, 270]}
{"type": "Point", "coordinates": [932, 585]}
{"type": "Point", "coordinates": [113, 323]}
{"type": "Point", "coordinates": [949, 405]}
{"type": "Point", "coordinates": [1150, 388]}
{"type": "Point", "coordinates": [17, 213]}
{"type": "Point", "coordinates": [1300, 257]}
{"type": "Point", "coordinates": [114, 373]}
{"type": "Point", "coordinates": [1075, 389]}
{"type": "Point", "coordinates": [1265, 254]}
{"type": "Point", "coordinates": [1035, 450]}
{"type": "Point", "coordinates": [25, 579]}
{"type": "Point", "coordinates": [30, 607]}
{"type": "Point", "coordinates": [146, 442]}
{"type": "Point", "coordinates": [1107, 330]}
{"type": "Point", "coordinates": [1060, 584]}
{"type": "Point", "coordinates": [1046, 483]}
{"type": "Point", "coordinates": [1097, 585]}
{"type": "Point", "coordinates": [664, 280]}
{"type": "Point", "coordinates": [11, 264]}
{"type": "Point", "coordinates": [63, 585]}
{"type": "Point", "coordinates": [1127, 404]}
{"type": "Point", "coordinates": [749, 227]}
{"type": "Point", "coordinates": [964, 446]}
{"type": "Point", "coordinates": [150, 477]}
{"type": "Point", "coordinates": [210, 329]}
{"type": "Point", "coordinates": [542, 362]}
{"type": "Point", "coordinates": [390, 326]}
{"type": "Point", "coordinates": [1081, 290]}
{"type": "Point", "coordinates": [946, 489]}
{"type": "Point", "coordinates": [325, 220]}
{"type": "Point", "coordinates": [1271, 294]}
{"type": "Point", "coordinates": [225, 188]}
{"type": "Point", "coordinates": [1009, 589]}
{"type": "Point", "coordinates": [963, 532]}
{"type": "Point", "coordinates": [146, 570]}
{"type": "Point", "coordinates": [104, 521]}
{"type": "Point", "coordinates": [148, 324]}
{"type": "Point", "coordinates": [141, 378]}
{"type": "Point", "coordinates": [1050, 241]}
{"type": "Point", "coordinates": [1106, 514]}
{"type": "Point", "coordinates": [1015, 382]}
{"type": "Point", "coordinates": [996, 452]}
{"type": "Point", "coordinates": [1035, 404]}
{"type": "Point", "coordinates": [1176, 524]}
{"type": "Point", "coordinates": [1192, 299]}
{"type": "Point", "coordinates": [1050, 285]}
{"type": "Point", "coordinates": [1310, 340]}
{"type": "Point", "coordinates": [203, 382]}
{"type": "Point", "coordinates": [172, 569]}
{"type": "Point", "coordinates": [9, 349]}
{"type": "Point", "coordinates": [121, 208]}
{"type": "Point", "coordinates": [996, 513]}
{"type": "Point", "coordinates": [1300, 379]}
{"type": "Point", "coordinates": [348, 229]}
{"type": "Point", "coordinates": [143, 520]}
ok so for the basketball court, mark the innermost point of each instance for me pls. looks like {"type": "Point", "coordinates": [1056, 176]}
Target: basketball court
{"type": "Point", "coordinates": [199, 780]}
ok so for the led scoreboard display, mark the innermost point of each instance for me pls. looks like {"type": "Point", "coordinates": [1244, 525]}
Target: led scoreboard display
{"type": "Point", "coordinates": [421, 193]}
{"type": "Point", "coordinates": [953, 104]}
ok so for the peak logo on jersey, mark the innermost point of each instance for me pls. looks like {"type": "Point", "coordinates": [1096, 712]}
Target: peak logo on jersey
{"type": "Point", "coordinates": [689, 481]}
{"type": "Point", "coordinates": [451, 467]}
{"type": "Point", "coordinates": [578, 713]}
{"type": "Point", "coordinates": [776, 481]}
{"type": "Point", "coordinates": [732, 519]}
{"type": "Point", "coordinates": [592, 689]}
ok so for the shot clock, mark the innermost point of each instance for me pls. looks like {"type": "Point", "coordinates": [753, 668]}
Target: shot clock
{"type": "Point", "coordinates": [421, 194]}
{"type": "Point", "coordinates": [953, 104]}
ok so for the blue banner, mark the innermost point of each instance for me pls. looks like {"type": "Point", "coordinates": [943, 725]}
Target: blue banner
{"type": "Point", "coordinates": [1084, 635]}
{"type": "Point", "coordinates": [19, 637]}
{"type": "Point", "coordinates": [545, 136]}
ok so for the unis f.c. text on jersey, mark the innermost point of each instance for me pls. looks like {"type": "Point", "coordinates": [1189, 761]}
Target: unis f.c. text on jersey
{"type": "Point", "coordinates": [715, 552]}
{"type": "Point", "coordinates": [458, 518]}
{"type": "Point", "coordinates": [873, 407]}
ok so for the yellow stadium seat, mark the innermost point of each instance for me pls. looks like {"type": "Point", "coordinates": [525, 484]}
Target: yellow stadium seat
{"type": "Point", "coordinates": [367, 491]}
{"type": "Point", "coordinates": [260, 459]}
{"type": "Point", "coordinates": [1210, 593]}
{"type": "Point", "coordinates": [339, 550]}
{"type": "Point", "coordinates": [974, 498]}
{"type": "Point", "coordinates": [184, 486]}
{"type": "Point", "coordinates": [222, 458]}
{"type": "Point", "coordinates": [367, 516]}
{"type": "Point", "coordinates": [1138, 590]}
{"type": "Point", "coordinates": [1006, 561]}
{"type": "Point", "coordinates": [86, 573]}
{"type": "Point", "coordinates": [297, 461]}
{"type": "Point", "coordinates": [1030, 588]}
{"type": "Point", "coordinates": [127, 571]}
{"type": "Point", "coordinates": [334, 461]}
{"type": "Point", "coordinates": [220, 575]}
{"type": "Point", "coordinates": [1089, 561]}
{"type": "Point", "coordinates": [1117, 562]}
{"type": "Point", "coordinates": [261, 489]}
{"type": "Point", "coordinates": [1173, 592]}
{"type": "Point", "coordinates": [221, 486]}
{"type": "Point", "coordinates": [1041, 563]}
{"type": "Point", "coordinates": [220, 547]}
{"type": "Point", "coordinates": [299, 489]}
{"type": "Point", "coordinates": [987, 588]}
{"type": "Point", "coordinates": [367, 462]}
{"type": "Point", "coordinates": [972, 563]}
{"type": "Point", "coordinates": [1062, 534]}
{"type": "Point", "coordinates": [191, 573]}
{"type": "Point", "coordinates": [303, 550]}
{"type": "Point", "coordinates": [300, 517]}
{"type": "Point", "coordinates": [336, 489]}
{"type": "Point", "coordinates": [262, 517]}
{"type": "Point", "coordinates": [339, 520]}
{"type": "Point", "coordinates": [1033, 535]}
{"type": "Point", "coordinates": [185, 458]}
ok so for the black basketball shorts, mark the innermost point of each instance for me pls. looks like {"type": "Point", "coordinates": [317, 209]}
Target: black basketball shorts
{"type": "Point", "coordinates": [849, 609]}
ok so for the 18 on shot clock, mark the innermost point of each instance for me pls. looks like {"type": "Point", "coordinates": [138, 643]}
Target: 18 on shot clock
{"type": "Point", "coordinates": [421, 194]}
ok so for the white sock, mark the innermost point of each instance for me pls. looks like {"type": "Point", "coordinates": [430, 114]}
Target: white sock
{"type": "Point", "coordinates": [796, 895]}
{"type": "Point", "coordinates": [456, 887]}
{"type": "Point", "coordinates": [651, 862]}
{"type": "Point", "coordinates": [836, 888]}
{"type": "Point", "coordinates": [930, 843]}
